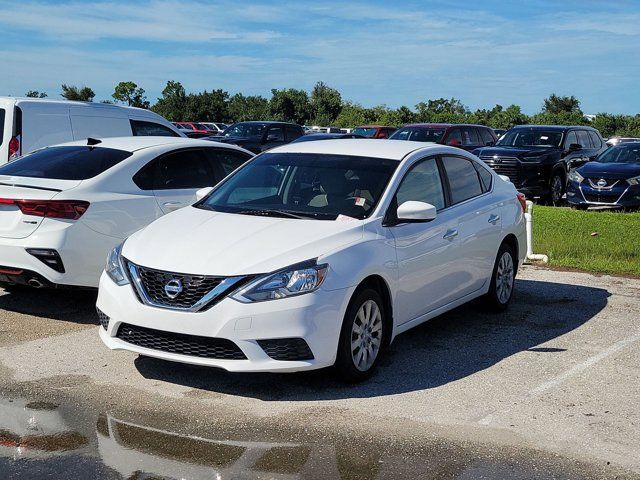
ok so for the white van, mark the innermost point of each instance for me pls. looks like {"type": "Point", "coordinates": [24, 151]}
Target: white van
{"type": "Point", "coordinates": [27, 124]}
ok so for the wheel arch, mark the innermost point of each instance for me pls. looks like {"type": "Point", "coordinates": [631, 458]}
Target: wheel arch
{"type": "Point", "coordinates": [380, 285]}
{"type": "Point", "coordinates": [512, 241]}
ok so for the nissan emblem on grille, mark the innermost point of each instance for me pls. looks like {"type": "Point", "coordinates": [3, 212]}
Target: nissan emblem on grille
{"type": "Point", "coordinates": [602, 183]}
{"type": "Point", "coordinates": [173, 288]}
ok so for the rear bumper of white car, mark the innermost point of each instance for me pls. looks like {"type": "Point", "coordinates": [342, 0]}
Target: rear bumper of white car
{"type": "Point", "coordinates": [252, 333]}
{"type": "Point", "coordinates": [82, 252]}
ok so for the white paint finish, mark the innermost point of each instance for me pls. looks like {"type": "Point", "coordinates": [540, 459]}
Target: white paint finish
{"type": "Point", "coordinates": [427, 269]}
{"type": "Point", "coordinates": [118, 208]}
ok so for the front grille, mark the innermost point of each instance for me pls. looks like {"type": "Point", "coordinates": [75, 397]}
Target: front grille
{"type": "Point", "coordinates": [508, 166]}
{"type": "Point", "coordinates": [609, 182]}
{"type": "Point", "coordinates": [104, 319]}
{"type": "Point", "coordinates": [286, 349]}
{"type": "Point", "coordinates": [194, 287]}
{"type": "Point", "coordinates": [192, 345]}
{"type": "Point", "coordinates": [602, 197]}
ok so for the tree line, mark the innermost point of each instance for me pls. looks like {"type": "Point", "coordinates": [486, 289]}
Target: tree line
{"type": "Point", "coordinates": [325, 106]}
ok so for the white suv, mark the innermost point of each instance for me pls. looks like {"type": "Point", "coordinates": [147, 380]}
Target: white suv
{"type": "Point", "coordinates": [315, 254]}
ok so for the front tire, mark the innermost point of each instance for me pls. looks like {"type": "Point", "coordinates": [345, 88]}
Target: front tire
{"type": "Point", "coordinates": [500, 291]}
{"type": "Point", "coordinates": [557, 188]}
{"type": "Point", "coordinates": [361, 337]}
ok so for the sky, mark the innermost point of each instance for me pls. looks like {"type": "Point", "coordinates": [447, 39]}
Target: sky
{"type": "Point", "coordinates": [484, 52]}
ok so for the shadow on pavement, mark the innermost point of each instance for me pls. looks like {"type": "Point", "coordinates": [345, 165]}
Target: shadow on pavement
{"type": "Point", "coordinates": [448, 348]}
{"type": "Point", "coordinates": [77, 306]}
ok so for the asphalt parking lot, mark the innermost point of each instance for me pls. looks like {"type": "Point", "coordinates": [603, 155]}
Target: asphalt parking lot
{"type": "Point", "coordinates": [549, 389]}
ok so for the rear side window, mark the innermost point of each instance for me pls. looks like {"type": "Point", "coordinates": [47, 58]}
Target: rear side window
{"type": "Point", "coordinates": [2, 114]}
{"type": "Point", "coordinates": [571, 139]}
{"type": "Point", "coordinates": [463, 179]}
{"type": "Point", "coordinates": [225, 161]}
{"type": "Point", "coordinates": [184, 169]}
{"type": "Point", "coordinates": [583, 139]}
{"type": "Point", "coordinates": [141, 128]}
{"type": "Point", "coordinates": [485, 177]}
{"type": "Point", "coordinates": [487, 137]}
{"type": "Point", "coordinates": [65, 163]}
{"type": "Point", "coordinates": [293, 133]}
{"type": "Point", "coordinates": [595, 139]}
{"type": "Point", "coordinates": [470, 136]}
{"type": "Point", "coordinates": [275, 134]}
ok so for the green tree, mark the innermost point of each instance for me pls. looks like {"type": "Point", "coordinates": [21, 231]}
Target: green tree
{"type": "Point", "coordinates": [207, 106]}
{"type": "Point", "coordinates": [555, 104]}
{"type": "Point", "coordinates": [172, 104]}
{"type": "Point", "coordinates": [290, 105]}
{"type": "Point", "coordinates": [353, 114]}
{"type": "Point", "coordinates": [441, 110]}
{"type": "Point", "coordinates": [71, 92]}
{"type": "Point", "coordinates": [326, 104]}
{"type": "Point", "coordinates": [252, 107]}
{"type": "Point", "coordinates": [35, 94]}
{"type": "Point", "coordinates": [131, 94]}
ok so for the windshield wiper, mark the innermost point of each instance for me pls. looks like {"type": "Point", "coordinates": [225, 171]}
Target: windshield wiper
{"type": "Point", "coordinates": [268, 213]}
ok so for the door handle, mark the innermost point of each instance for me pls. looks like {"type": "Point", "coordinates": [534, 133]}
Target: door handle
{"type": "Point", "coordinates": [172, 204]}
{"type": "Point", "coordinates": [450, 235]}
{"type": "Point", "coordinates": [493, 219]}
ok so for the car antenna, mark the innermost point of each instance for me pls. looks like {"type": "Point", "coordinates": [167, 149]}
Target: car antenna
{"type": "Point", "coordinates": [93, 141]}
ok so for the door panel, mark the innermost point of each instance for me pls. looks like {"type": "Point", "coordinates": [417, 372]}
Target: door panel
{"type": "Point", "coordinates": [428, 274]}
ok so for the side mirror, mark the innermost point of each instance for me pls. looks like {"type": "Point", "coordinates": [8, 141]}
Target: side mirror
{"type": "Point", "coordinates": [414, 212]}
{"type": "Point", "coordinates": [203, 192]}
{"type": "Point", "coordinates": [574, 147]}
{"type": "Point", "coordinates": [454, 142]}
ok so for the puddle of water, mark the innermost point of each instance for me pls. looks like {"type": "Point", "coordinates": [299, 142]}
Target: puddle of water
{"type": "Point", "coordinates": [44, 440]}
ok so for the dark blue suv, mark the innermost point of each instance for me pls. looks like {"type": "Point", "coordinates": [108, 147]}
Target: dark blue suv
{"type": "Point", "coordinates": [612, 180]}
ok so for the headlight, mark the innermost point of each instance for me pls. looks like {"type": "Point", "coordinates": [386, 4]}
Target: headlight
{"type": "Point", "coordinates": [537, 159]}
{"type": "Point", "coordinates": [115, 268]}
{"type": "Point", "coordinates": [574, 176]}
{"type": "Point", "coordinates": [634, 180]}
{"type": "Point", "coordinates": [294, 280]}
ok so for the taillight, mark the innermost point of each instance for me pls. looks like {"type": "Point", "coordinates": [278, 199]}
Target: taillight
{"type": "Point", "coordinates": [14, 147]}
{"type": "Point", "coordinates": [64, 209]}
{"type": "Point", "coordinates": [523, 201]}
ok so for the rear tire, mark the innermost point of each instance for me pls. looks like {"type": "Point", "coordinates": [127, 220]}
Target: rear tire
{"type": "Point", "coordinates": [361, 337]}
{"type": "Point", "coordinates": [500, 292]}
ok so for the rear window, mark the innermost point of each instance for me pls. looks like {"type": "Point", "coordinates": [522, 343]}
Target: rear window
{"type": "Point", "coordinates": [140, 128]}
{"type": "Point", "coordinates": [65, 163]}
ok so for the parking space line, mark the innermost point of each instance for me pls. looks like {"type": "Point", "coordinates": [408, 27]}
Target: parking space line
{"type": "Point", "coordinates": [576, 369]}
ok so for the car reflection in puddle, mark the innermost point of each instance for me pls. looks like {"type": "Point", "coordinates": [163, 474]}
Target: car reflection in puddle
{"type": "Point", "coordinates": [44, 440]}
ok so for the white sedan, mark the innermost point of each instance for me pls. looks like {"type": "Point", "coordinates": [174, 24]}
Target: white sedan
{"type": "Point", "coordinates": [315, 254]}
{"type": "Point", "coordinates": [63, 208]}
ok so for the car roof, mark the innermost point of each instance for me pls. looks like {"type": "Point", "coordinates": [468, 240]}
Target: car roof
{"type": "Point", "coordinates": [443, 125]}
{"type": "Point", "coordinates": [132, 144]}
{"type": "Point", "coordinates": [555, 127]}
{"type": "Point", "coordinates": [388, 149]}
{"type": "Point", "coordinates": [374, 126]}
{"type": "Point", "coordinates": [269, 122]}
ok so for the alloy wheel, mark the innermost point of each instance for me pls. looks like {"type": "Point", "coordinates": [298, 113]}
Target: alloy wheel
{"type": "Point", "coordinates": [366, 335]}
{"type": "Point", "coordinates": [556, 188]}
{"type": "Point", "coordinates": [504, 278]}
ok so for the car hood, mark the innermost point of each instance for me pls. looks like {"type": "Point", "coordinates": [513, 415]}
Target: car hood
{"type": "Point", "coordinates": [513, 151]}
{"type": "Point", "coordinates": [197, 241]}
{"type": "Point", "coordinates": [610, 170]}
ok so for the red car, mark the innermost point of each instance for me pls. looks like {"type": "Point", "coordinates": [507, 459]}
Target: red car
{"type": "Point", "coordinates": [374, 131]}
{"type": "Point", "coordinates": [193, 127]}
{"type": "Point", "coordinates": [467, 137]}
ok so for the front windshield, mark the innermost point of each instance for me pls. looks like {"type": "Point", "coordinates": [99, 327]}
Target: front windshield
{"type": "Point", "coordinates": [530, 137]}
{"type": "Point", "coordinates": [419, 134]}
{"type": "Point", "coordinates": [245, 130]}
{"type": "Point", "coordinates": [626, 153]}
{"type": "Point", "coordinates": [365, 132]}
{"type": "Point", "coordinates": [310, 185]}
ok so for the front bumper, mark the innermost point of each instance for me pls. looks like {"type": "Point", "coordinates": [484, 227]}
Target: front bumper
{"type": "Point", "coordinates": [622, 196]}
{"type": "Point", "coordinates": [315, 318]}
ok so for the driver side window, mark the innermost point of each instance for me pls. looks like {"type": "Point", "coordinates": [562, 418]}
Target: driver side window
{"type": "Point", "coordinates": [275, 134]}
{"type": "Point", "coordinates": [423, 184]}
